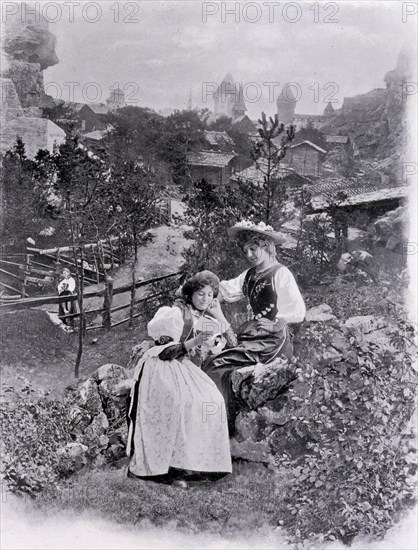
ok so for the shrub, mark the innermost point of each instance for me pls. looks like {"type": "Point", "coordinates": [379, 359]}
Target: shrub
{"type": "Point", "coordinates": [354, 405]}
{"type": "Point", "coordinates": [33, 428]}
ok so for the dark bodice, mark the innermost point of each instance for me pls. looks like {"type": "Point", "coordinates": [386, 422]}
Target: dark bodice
{"type": "Point", "coordinates": [261, 292]}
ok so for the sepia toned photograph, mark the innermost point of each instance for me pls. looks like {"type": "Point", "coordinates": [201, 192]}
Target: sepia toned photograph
{"type": "Point", "coordinates": [208, 274]}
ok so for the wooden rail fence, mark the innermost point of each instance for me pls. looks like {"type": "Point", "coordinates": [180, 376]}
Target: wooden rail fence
{"type": "Point", "coordinates": [41, 268]}
{"type": "Point", "coordinates": [106, 293]}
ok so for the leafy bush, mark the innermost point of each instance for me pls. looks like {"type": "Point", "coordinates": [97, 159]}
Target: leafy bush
{"type": "Point", "coordinates": [347, 298]}
{"type": "Point", "coordinates": [33, 429]}
{"type": "Point", "coordinates": [353, 401]}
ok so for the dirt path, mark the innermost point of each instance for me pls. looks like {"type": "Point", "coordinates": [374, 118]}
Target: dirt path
{"type": "Point", "coordinates": [160, 257]}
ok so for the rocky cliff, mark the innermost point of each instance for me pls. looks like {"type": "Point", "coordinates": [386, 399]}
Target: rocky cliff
{"type": "Point", "coordinates": [376, 120]}
{"type": "Point", "coordinates": [28, 48]}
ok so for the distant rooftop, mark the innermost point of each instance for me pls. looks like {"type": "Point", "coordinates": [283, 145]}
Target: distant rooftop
{"type": "Point", "coordinates": [357, 192]}
{"type": "Point", "coordinates": [99, 108]}
{"type": "Point", "coordinates": [307, 142]}
{"type": "Point", "coordinates": [336, 139]}
{"type": "Point", "coordinates": [210, 158]}
{"type": "Point", "coordinates": [217, 138]}
{"type": "Point", "coordinates": [254, 173]}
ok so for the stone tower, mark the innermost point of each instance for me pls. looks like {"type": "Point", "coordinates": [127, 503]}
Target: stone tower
{"type": "Point", "coordinates": [329, 110]}
{"type": "Point", "coordinates": [225, 97]}
{"type": "Point", "coordinates": [116, 99]}
{"type": "Point", "coordinates": [239, 107]}
{"type": "Point", "coordinates": [286, 105]}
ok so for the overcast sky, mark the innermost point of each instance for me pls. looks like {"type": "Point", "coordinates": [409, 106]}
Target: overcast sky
{"type": "Point", "coordinates": [159, 51]}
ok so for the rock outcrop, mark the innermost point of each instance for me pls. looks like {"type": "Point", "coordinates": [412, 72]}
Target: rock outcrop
{"type": "Point", "coordinates": [390, 229]}
{"type": "Point", "coordinates": [375, 120]}
{"type": "Point", "coordinates": [97, 422]}
{"type": "Point", "coordinates": [271, 396]}
{"type": "Point", "coordinates": [27, 49]}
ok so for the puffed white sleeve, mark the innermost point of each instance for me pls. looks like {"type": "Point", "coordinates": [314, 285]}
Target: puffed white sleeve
{"type": "Point", "coordinates": [71, 284]}
{"type": "Point", "coordinates": [168, 321]}
{"type": "Point", "coordinates": [231, 290]}
{"type": "Point", "coordinates": [290, 304]}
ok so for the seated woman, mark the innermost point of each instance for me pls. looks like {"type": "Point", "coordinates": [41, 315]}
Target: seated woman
{"type": "Point", "coordinates": [177, 421]}
{"type": "Point", "coordinates": [275, 301]}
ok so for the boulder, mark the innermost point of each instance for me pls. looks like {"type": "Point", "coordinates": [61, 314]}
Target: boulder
{"type": "Point", "coordinates": [372, 329]}
{"type": "Point", "coordinates": [72, 458]}
{"type": "Point", "coordinates": [97, 421]}
{"type": "Point", "coordinates": [250, 442]}
{"type": "Point", "coordinates": [89, 397]}
{"type": "Point", "coordinates": [356, 259]}
{"type": "Point", "coordinates": [260, 383]}
{"type": "Point", "coordinates": [323, 312]}
{"type": "Point", "coordinates": [389, 229]}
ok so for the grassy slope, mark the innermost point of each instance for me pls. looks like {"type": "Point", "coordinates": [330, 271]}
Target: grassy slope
{"type": "Point", "coordinates": [241, 503]}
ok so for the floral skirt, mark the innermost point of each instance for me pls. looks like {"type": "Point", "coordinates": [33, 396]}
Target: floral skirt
{"type": "Point", "coordinates": [177, 420]}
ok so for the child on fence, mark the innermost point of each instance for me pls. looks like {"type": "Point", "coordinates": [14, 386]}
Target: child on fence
{"type": "Point", "coordinates": [66, 287]}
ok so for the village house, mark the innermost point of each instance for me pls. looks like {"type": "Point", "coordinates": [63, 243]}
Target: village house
{"type": "Point", "coordinates": [214, 167]}
{"type": "Point", "coordinates": [88, 119]}
{"type": "Point", "coordinates": [256, 172]}
{"type": "Point", "coordinates": [218, 141]}
{"type": "Point", "coordinates": [306, 158]}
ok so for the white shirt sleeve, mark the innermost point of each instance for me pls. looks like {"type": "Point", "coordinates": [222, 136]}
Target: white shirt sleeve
{"type": "Point", "coordinates": [290, 304]}
{"type": "Point", "coordinates": [66, 284]}
{"type": "Point", "coordinates": [231, 290]}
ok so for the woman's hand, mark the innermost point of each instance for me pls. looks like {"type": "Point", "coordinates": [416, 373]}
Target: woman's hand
{"type": "Point", "coordinates": [216, 311]}
{"type": "Point", "coordinates": [271, 326]}
{"type": "Point", "coordinates": [201, 338]}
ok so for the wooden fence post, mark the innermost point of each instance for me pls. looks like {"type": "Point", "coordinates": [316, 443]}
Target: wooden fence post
{"type": "Point", "coordinates": [112, 263]}
{"type": "Point", "coordinates": [107, 304]}
{"type": "Point", "coordinates": [96, 266]}
{"type": "Point", "coordinates": [131, 309]}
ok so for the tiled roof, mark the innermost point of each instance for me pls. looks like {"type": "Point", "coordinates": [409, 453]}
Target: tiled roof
{"type": "Point", "coordinates": [336, 139]}
{"type": "Point", "coordinates": [74, 106]}
{"type": "Point", "coordinates": [218, 138]}
{"type": "Point", "coordinates": [99, 108]}
{"type": "Point", "coordinates": [210, 158]}
{"type": "Point", "coordinates": [256, 175]}
{"type": "Point", "coordinates": [96, 135]}
{"type": "Point", "coordinates": [313, 117]}
{"type": "Point", "coordinates": [357, 193]}
{"type": "Point", "coordinates": [306, 142]}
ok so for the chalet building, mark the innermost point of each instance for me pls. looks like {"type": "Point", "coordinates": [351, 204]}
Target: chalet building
{"type": "Point", "coordinates": [256, 172]}
{"type": "Point", "coordinates": [368, 197]}
{"type": "Point", "coordinates": [302, 121]}
{"type": "Point", "coordinates": [89, 120]}
{"type": "Point", "coordinates": [245, 124]}
{"type": "Point", "coordinates": [100, 110]}
{"type": "Point", "coordinates": [216, 168]}
{"type": "Point", "coordinates": [218, 141]}
{"type": "Point", "coordinates": [306, 158]}
{"type": "Point", "coordinates": [336, 141]}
